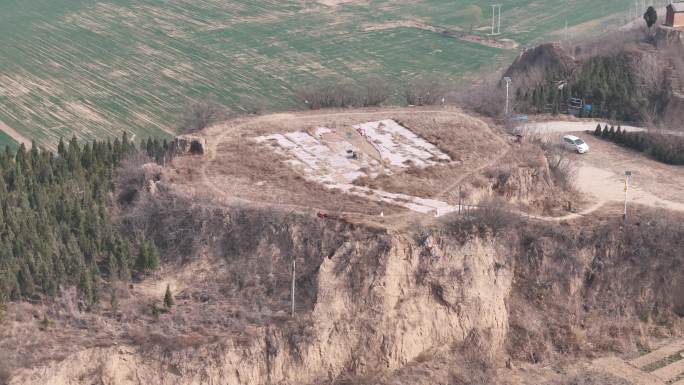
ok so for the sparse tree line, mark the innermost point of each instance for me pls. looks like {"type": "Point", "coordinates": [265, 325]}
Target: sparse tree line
{"type": "Point", "coordinates": [55, 225]}
{"type": "Point", "coordinates": [665, 148]}
{"type": "Point", "coordinates": [371, 92]}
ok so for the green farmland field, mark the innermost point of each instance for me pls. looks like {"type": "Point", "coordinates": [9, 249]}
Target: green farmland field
{"type": "Point", "coordinates": [93, 68]}
{"type": "Point", "coordinates": [5, 141]}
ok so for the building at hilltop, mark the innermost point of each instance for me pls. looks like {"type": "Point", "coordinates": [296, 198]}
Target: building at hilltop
{"type": "Point", "coordinates": [675, 15]}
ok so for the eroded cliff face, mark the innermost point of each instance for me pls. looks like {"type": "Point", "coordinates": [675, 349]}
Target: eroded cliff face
{"type": "Point", "coordinates": [378, 300]}
{"type": "Point", "coordinates": [379, 303]}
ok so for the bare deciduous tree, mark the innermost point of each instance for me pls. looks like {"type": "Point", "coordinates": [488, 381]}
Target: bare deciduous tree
{"type": "Point", "coordinates": [473, 16]}
{"type": "Point", "coordinates": [425, 91]}
{"type": "Point", "coordinates": [375, 91]}
{"type": "Point", "coordinates": [563, 169]}
{"type": "Point", "coordinates": [199, 115]}
{"type": "Point", "coordinates": [252, 105]}
{"type": "Point", "coordinates": [649, 71]}
{"type": "Point", "coordinates": [342, 94]}
{"type": "Point", "coordinates": [129, 178]}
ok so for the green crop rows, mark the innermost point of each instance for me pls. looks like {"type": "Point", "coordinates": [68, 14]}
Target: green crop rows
{"type": "Point", "coordinates": [94, 68]}
{"type": "Point", "coordinates": [5, 141]}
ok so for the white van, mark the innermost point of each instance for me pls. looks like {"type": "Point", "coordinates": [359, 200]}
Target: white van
{"type": "Point", "coordinates": [574, 143]}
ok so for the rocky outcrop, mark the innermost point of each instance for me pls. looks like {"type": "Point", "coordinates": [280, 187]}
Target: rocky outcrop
{"type": "Point", "coordinates": [189, 144]}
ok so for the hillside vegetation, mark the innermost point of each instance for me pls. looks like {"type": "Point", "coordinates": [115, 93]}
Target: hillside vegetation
{"type": "Point", "coordinates": [629, 76]}
{"type": "Point", "coordinates": [56, 223]}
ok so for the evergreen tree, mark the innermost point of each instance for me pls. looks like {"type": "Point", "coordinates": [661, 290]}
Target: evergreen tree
{"type": "Point", "coordinates": [651, 17]}
{"type": "Point", "coordinates": [168, 298]}
{"type": "Point", "coordinates": [148, 257]}
{"type": "Point", "coordinates": [45, 322]}
{"type": "Point", "coordinates": [597, 131]}
{"type": "Point", "coordinates": [619, 135]}
{"type": "Point", "coordinates": [114, 300]}
{"type": "Point", "coordinates": [155, 311]}
{"type": "Point", "coordinates": [56, 230]}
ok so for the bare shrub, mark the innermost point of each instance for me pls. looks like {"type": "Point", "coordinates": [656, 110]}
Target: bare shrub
{"type": "Point", "coordinates": [487, 99]}
{"type": "Point", "coordinates": [607, 44]}
{"type": "Point", "coordinates": [129, 178]}
{"type": "Point", "coordinates": [495, 215]}
{"type": "Point", "coordinates": [252, 105]}
{"type": "Point", "coordinates": [564, 271]}
{"type": "Point", "coordinates": [477, 366]}
{"type": "Point", "coordinates": [491, 215]}
{"type": "Point", "coordinates": [173, 222]}
{"type": "Point", "coordinates": [199, 115]}
{"type": "Point", "coordinates": [374, 91]}
{"type": "Point", "coordinates": [563, 168]}
{"type": "Point", "coordinates": [675, 54]}
{"type": "Point", "coordinates": [649, 71]}
{"type": "Point", "coordinates": [5, 373]}
{"type": "Point", "coordinates": [425, 92]}
{"type": "Point", "coordinates": [328, 94]}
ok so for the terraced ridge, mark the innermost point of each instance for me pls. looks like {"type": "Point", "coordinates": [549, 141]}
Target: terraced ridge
{"type": "Point", "coordinates": [662, 366]}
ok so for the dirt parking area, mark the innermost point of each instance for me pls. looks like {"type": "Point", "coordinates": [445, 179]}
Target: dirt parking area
{"type": "Point", "coordinates": [602, 174]}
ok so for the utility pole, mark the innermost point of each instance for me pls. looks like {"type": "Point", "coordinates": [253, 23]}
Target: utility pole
{"type": "Point", "coordinates": [498, 30]}
{"type": "Point", "coordinates": [496, 26]}
{"type": "Point", "coordinates": [628, 175]}
{"type": "Point", "coordinates": [566, 21]}
{"type": "Point", "coordinates": [508, 83]}
{"type": "Point", "coordinates": [294, 268]}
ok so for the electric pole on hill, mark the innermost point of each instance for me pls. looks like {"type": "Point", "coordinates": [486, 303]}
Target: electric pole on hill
{"type": "Point", "coordinates": [508, 84]}
{"type": "Point", "coordinates": [294, 268]}
{"type": "Point", "coordinates": [566, 22]}
{"type": "Point", "coordinates": [628, 175]}
{"type": "Point", "coordinates": [496, 26]}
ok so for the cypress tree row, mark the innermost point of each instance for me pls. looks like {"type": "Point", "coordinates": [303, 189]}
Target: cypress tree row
{"type": "Point", "coordinates": [55, 229]}
{"type": "Point", "coordinates": [663, 147]}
